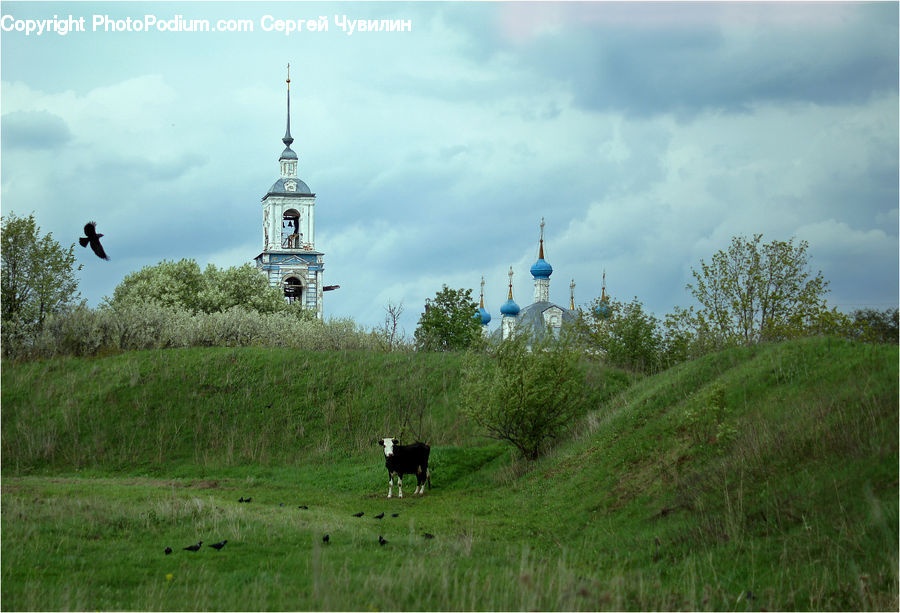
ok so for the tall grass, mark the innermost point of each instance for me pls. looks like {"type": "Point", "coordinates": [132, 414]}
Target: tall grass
{"type": "Point", "coordinates": [153, 410]}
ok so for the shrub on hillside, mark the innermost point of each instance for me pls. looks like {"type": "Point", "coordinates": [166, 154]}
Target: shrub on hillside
{"type": "Point", "coordinates": [134, 326]}
{"type": "Point", "coordinates": [705, 418]}
{"type": "Point", "coordinates": [530, 392]}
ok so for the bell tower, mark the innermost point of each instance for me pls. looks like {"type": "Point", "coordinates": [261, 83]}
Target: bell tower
{"type": "Point", "coordinates": [289, 258]}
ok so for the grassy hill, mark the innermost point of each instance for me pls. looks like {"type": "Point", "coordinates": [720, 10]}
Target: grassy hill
{"type": "Point", "coordinates": [757, 478]}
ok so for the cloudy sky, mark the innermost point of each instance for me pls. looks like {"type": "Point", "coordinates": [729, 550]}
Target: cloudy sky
{"type": "Point", "coordinates": [645, 134]}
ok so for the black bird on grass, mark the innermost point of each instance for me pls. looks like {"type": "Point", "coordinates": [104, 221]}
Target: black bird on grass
{"type": "Point", "coordinates": [303, 506]}
{"type": "Point", "coordinates": [168, 550]}
{"type": "Point", "coordinates": [93, 239]}
{"type": "Point", "coordinates": [218, 546]}
{"type": "Point", "coordinates": [381, 540]}
{"type": "Point", "coordinates": [428, 536]}
{"type": "Point", "coordinates": [325, 539]}
{"type": "Point", "coordinates": [379, 516]}
{"type": "Point", "coordinates": [395, 515]}
{"type": "Point", "coordinates": [360, 514]}
{"type": "Point", "coordinates": [194, 547]}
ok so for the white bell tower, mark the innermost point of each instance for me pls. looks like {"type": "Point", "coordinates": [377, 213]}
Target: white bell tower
{"type": "Point", "coordinates": [289, 258]}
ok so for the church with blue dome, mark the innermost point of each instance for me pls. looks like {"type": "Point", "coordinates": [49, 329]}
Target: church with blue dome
{"type": "Point", "coordinates": [541, 316]}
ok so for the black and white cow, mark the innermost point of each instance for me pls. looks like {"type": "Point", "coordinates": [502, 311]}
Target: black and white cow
{"type": "Point", "coordinates": [406, 460]}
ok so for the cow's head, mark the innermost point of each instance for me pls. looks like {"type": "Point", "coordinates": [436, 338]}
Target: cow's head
{"type": "Point", "coordinates": [388, 444]}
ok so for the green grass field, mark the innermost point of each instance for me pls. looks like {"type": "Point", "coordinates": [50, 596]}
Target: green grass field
{"type": "Point", "coordinates": [783, 497]}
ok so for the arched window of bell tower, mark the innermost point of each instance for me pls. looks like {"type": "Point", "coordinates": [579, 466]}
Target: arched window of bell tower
{"type": "Point", "coordinates": [293, 289]}
{"type": "Point", "coordinates": [290, 230]}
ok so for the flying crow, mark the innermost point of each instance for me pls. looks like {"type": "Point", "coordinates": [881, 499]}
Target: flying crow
{"type": "Point", "coordinates": [218, 546]}
{"type": "Point", "coordinates": [91, 237]}
{"type": "Point", "coordinates": [194, 547]}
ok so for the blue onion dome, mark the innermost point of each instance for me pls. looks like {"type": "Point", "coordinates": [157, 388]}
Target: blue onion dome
{"type": "Point", "coordinates": [541, 269]}
{"type": "Point", "coordinates": [510, 308]}
{"type": "Point", "coordinates": [602, 310]}
{"type": "Point", "coordinates": [483, 315]}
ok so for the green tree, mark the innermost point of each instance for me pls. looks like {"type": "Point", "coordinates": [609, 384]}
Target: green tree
{"type": "Point", "coordinates": [169, 284]}
{"type": "Point", "coordinates": [627, 335]}
{"type": "Point", "coordinates": [528, 394]}
{"type": "Point", "coordinates": [756, 291]}
{"type": "Point", "coordinates": [182, 284]}
{"type": "Point", "coordinates": [38, 274]}
{"type": "Point", "coordinates": [449, 322]}
{"type": "Point", "coordinates": [687, 335]}
{"type": "Point", "coordinates": [241, 286]}
{"type": "Point", "coordinates": [873, 326]}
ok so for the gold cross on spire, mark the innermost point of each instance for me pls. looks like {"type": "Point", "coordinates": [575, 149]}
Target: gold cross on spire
{"type": "Point", "coordinates": [289, 75]}
{"type": "Point", "coordinates": [572, 295]}
{"type": "Point", "coordinates": [510, 282]}
{"type": "Point", "coordinates": [541, 250]}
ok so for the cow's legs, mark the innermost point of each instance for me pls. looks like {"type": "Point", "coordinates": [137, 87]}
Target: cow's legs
{"type": "Point", "coordinates": [399, 486]}
{"type": "Point", "coordinates": [420, 482]}
{"type": "Point", "coordinates": [390, 485]}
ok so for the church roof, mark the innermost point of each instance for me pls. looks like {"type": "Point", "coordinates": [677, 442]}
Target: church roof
{"type": "Point", "coordinates": [278, 189]}
{"type": "Point", "coordinates": [531, 318]}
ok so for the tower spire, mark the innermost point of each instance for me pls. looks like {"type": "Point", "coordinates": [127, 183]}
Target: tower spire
{"type": "Point", "coordinates": [482, 292]}
{"type": "Point", "coordinates": [288, 139]}
{"type": "Point", "coordinates": [572, 295]}
{"type": "Point", "coordinates": [541, 253]}
{"type": "Point", "coordinates": [510, 283]}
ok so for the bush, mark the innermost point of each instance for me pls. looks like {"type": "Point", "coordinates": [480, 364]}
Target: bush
{"type": "Point", "coordinates": [132, 326]}
{"type": "Point", "coordinates": [705, 418]}
{"type": "Point", "coordinates": [529, 393]}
